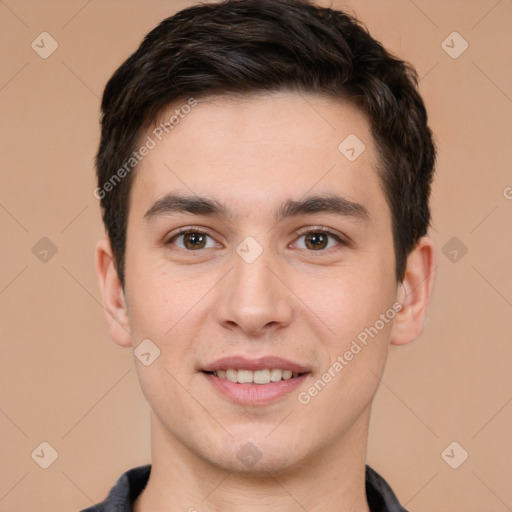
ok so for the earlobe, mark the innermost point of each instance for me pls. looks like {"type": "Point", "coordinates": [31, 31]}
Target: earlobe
{"type": "Point", "coordinates": [114, 302]}
{"type": "Point", "coordinates": [414, 293]}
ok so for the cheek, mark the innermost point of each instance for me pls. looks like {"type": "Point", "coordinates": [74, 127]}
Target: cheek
{"type": "Point", "coordinates": [348, 299]}
{"type": "Point", "coordinates": [169, 310]}
{"type": "Point", "coordinates": [157, 299]}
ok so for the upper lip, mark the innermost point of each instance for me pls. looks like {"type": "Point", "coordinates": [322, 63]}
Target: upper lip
{"type": "Point", "coordinates": [261, 363]}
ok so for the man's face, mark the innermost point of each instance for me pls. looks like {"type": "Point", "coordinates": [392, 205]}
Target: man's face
{"type": "Point", "coordinates": [250, 282]}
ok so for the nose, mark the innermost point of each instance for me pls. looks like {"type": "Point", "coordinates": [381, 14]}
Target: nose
{"type": "Point", "coordinates": [253, 299]}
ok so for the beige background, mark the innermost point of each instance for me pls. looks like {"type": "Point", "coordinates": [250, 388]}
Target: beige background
{"type": "Point", "coordinates": [64, 382]}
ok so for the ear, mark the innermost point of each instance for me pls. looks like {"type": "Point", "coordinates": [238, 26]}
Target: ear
{"type": "Point", "coordinates": [414, 293]}
{"type": "Point", "coordinates": [112, 293]}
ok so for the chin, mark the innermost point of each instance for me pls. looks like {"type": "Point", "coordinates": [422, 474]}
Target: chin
{"type": "Point", "coordinates": [258, 456]}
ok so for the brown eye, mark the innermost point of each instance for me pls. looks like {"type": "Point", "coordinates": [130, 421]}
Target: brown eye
{"type": "Point", "coordinates": [192, 240]}
{"type": "Point", "coordinates": [316, 240]}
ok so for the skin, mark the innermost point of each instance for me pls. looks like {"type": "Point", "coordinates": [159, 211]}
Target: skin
{"type": "Point", "coordinates": [295, 301]}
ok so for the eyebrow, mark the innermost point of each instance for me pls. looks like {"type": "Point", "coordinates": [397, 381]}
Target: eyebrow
{"type": "Point", "coordinates": [196, 205]}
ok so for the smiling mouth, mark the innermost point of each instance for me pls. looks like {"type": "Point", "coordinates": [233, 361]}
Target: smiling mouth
{"type": "Point", "coordinates": [258, 377]}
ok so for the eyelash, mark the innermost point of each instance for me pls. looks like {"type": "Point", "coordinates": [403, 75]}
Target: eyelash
{"type": "Point", "coordinates": [341, 241]}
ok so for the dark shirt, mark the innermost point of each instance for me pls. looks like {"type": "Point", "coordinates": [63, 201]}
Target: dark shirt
{"type": "Point", "coordinates": [379, 495]}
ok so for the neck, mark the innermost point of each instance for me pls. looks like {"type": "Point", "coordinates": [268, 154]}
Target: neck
{"type": "Point", "coordinates": [331, 480]}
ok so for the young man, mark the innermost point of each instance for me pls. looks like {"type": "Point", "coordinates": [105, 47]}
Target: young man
{"type": "Point", "coordinates": [264, 174]}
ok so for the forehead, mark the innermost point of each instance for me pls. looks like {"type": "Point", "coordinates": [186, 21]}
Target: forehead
{"type": "Point", "coordinates": [262, 150]}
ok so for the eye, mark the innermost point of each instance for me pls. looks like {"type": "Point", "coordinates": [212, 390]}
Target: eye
{"type": "Point", "coordinates": [318, 240]}
{"type": "Point", "coordinates": [192, 240]}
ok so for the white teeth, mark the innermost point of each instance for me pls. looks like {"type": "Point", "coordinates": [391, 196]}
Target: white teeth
{"type": "Point", "coordinates": [262, 376]}
{"type": "Point", "coordinates": [244, 376]}
{"type": "Point", "coordinates": [276, 375]}
{"type": "Point", "coordinates": [255, 377]}
{"type": "Point", "coordinates": [231, 375]}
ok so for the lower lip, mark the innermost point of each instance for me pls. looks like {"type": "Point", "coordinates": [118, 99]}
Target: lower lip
{"type": "Point", "coordinates": [255, 394]}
